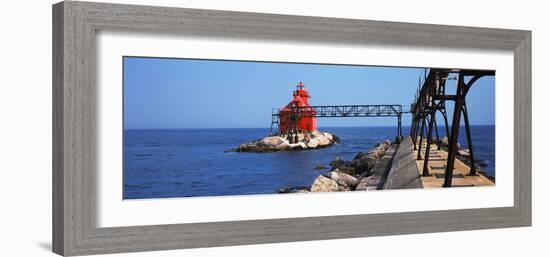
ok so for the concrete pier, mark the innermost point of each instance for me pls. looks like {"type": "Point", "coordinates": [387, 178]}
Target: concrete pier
{"type": "Point", "coordinates": [403, 173]}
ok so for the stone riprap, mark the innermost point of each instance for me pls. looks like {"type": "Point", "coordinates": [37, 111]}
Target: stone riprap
{"type": "Point", "coordinates": [364, 172]}
{"type": "Point", "coordinates": [308, 140]}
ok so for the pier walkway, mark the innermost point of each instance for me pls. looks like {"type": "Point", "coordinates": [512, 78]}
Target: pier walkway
{"type": "Point", "coordinates": [437, 166]}
{"type": "Point", "coordinates": [406, 170]}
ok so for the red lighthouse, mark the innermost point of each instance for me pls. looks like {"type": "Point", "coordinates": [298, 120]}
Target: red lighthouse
{"type": "Point", "coordinates": [298, 116]}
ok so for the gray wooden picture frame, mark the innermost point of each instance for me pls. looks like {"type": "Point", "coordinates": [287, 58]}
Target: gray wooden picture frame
{"type": "Point", "coordinates": [75, 25]}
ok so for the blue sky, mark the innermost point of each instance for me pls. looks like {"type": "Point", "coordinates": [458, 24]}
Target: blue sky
{"type": "Point", "coordinates": [180, 93]}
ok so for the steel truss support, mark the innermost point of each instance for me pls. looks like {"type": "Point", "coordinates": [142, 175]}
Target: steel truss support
{"type": "Point", "coordinates": [469, 138]}
{"type": "Point", "coordinates": [429, 100]}
{"type": "Point", "coordinates": [432, 108]}
{"type": "Point", "coordinates": [459, 110]}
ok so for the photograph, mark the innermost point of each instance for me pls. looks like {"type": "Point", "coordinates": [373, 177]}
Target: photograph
{"type": "Point", "coordinates": [201, 127]}
{"type": "Point", "coordinates": [274, 128]}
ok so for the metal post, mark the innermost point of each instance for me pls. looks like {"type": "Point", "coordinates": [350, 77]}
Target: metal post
{"type": "Point", "coordinates": [444, 113]}
{"type": "Point", "coordinates": [400, 127]}
{"type": "Point", "coordinates": [425, 171]}
{"type": "Point", "coordinates": [399, 132]}
{"type": "Point", "coordinates": [413, 125]}
{"type": "Point", "coordinates": [419, 157]}
{"type": "Point", "coordinates": [415, 139]}
{"type": "Point", "coordinates": [415, 129]}
{"type": "Point", "coordinates": [454, 132]}
{"type": "Point", "coordinates": [397, 128]}
{"type": "Point", "coordinates": [469, 137]}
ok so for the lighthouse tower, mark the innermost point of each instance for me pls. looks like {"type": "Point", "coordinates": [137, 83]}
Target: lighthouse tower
{"type": "Point", "coordinates": [298, 116]}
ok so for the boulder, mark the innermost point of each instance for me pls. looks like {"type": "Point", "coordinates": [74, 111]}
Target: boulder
{"type": "Point", "coordinates": [309, 140]}
{"type": "Point", "coordinates": [284, 146]}
{"type": "Point", "coordinates": [267, 144]}
{"type": "Point", "coordinates": [444, 141]}
{"type": "Point", "coordinates": [313, 143]}
{"type": "Point", "coordinates": [298, 146]}
{"type": "Point", "coordinates": [343, 179]}
{"type": "Point", "coordinates": [250, 147]}
{"type": "Point", "coordinates": [320, 167]}
{"type": "Point", "coordinates": [464, 153]}
{"type": "Point", "coordinates": [272, 141]}
{"type": "Point", "coordinates": [346, 169]}
{"type": "Point", "coordinates": [328, 136]}
{"type": "Point", "coordinates": [323, 184]}
{"type": "Point", "coordinates": [365, 174]}
{"type": "Point", "coordinates": [343, 188]}
{"type": "Point", "coordinates": [363, 163]}
{"type": "Point", "coordinates": [323, 141]}
{"type": "Point", "coordinates": [377, 153]}
{"type": "Point", "coordinates": [368, 184]}
{"type": "Point", "coordinates": [323, 138]}
{"type": "Point", "coordinates": [337, 163]}
{"type": "Point", "coordinates": [359, 155]}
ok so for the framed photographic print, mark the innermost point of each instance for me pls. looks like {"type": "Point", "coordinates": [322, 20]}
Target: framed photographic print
{"type": "Point", "coordinates": [183, 128]}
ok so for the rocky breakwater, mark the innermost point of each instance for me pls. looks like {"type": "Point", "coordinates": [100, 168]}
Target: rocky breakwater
{"type": "Point", "coordinates": [308, 140]}
{"type": "Point", "coordinates": [355, 175]}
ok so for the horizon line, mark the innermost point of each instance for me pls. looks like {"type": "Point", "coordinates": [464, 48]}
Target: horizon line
{"type": "Point", "coordinates": [375, 126]}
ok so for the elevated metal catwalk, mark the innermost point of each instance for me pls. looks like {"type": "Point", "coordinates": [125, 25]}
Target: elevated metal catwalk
{"type": "Point", "coordinates": [341, 111]}
{"type": "Point", "coordinates": [430, 99]}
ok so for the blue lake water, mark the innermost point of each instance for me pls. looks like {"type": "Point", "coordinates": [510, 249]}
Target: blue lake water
{"type": "Point", "coordinates": [192, 162]}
